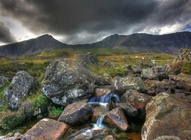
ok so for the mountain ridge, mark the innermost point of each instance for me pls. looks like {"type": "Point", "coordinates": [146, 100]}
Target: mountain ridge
{"type": "Point", "coordinates": [136, 43]}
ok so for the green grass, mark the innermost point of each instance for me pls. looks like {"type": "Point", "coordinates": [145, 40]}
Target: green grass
{"type": "Point", "coordinates": [55, 111]}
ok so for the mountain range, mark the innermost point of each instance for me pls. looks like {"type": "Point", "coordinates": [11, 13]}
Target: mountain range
{"type": "Point", "coordinates": [135, 43]}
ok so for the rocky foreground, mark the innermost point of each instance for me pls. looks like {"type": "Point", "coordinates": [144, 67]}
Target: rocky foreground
{"type": "Point", "coordinates": [159, 96]}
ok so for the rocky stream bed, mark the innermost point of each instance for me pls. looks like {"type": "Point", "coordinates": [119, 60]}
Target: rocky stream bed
{"type": "Point", "coordinates": [148, 103]}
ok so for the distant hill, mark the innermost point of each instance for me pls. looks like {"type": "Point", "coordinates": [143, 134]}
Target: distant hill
{"type": "Point", "coordinates": [137, 43]}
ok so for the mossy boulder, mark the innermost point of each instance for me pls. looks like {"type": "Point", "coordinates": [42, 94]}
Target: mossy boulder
{"type": "Point", "coordinates": [34, 106]}
{"type": "Point", "coordinates": [167, 117]}
{"type": "Point", "coordinates": [22, 85]}
{"type": "Point", "coordinates": [66, 82]}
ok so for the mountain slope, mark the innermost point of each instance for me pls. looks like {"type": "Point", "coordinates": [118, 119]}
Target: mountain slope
{"type": "Point", "coordinates": [32, 46]}
{"type": "Point", "coordinates": [137, 43]}
{"type": "Point", "coordinates": [143, 43]}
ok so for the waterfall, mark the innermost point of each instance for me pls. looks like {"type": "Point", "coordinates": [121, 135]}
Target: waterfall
{"type": "Point", "coordinates": [99, 122]}
{"type": "Point", "coordinates": [103, 102]}
{"type": "Point", "coordinates": [104, 99]}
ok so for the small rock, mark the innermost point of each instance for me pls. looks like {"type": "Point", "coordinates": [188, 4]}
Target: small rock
{"type": "Point", "coordinates": [103, 90]}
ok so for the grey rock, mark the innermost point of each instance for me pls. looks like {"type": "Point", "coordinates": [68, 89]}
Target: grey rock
{"type": "Point", "coordinates": [148, 74]}
{"type": "Point", "coordinates": [3, 80]}
{"type": "Point", "coordinates": [129, 82]}
{"type": "Point", "coordinates": [66, 82]}
{"type": "Point", "coordinates": [137, 100]}
{"type": "Point", "coordinates": [22, 85]}
{"type": "Point", "coordinates": [87, 59]}
{"type": "Point", "coordinates": [136, 69]}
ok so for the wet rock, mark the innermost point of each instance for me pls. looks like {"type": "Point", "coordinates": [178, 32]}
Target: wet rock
{"type": "Point", "coordinates": [109, 137]}
{"type": "Point", "coordinates": [3, 80]}
{"type": "Point", "coordinates": [168, 117]}
{"type": "Point", "coordinates": [129, 82]}
{"type": "Point", "coordinates": [99, 111]}
{"type": "Point", "coordinates": [84, 134]}
{"type": "Point", "coordinates": [12, 136]}
{"type": "Point", "coordinates": [22, 85]}
{"type": "Point", "coordinates": [77, 113]}
{"type": "Point", "coordinates": [137, 100]}
{"type": "Point", "coordinates": [66, 82]}
{"type": "Point", "coordinates": [117, 118]}
{"type": "Point", "coordinates": [129, 110]}
{"type": "Point", "coordinates": [87, 59]}
{"type": "Point", "coordinates": [46, 129]}
{"type": "Point", "coordinates": [99, 91]}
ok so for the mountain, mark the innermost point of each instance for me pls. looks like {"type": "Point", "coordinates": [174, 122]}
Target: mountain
{"type": "Point", "coordinates": [137, 43]}
{"type": "Point", "coordinates": [146, 43]}
{"type": "Point", "coordinates": [32, 46]}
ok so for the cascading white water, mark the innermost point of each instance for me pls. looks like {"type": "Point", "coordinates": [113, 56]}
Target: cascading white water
{"type": "Point", "coordinates": [99, 122]}
{"type": "Point", "coordinates": [103, 102]}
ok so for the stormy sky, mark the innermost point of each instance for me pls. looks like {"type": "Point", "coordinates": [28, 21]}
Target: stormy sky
{"type": "Point", "coordinates": [87, 21]}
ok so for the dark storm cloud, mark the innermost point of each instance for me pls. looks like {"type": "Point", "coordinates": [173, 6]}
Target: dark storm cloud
{"type": "Point", "coordinates": [170, 11]}
{"type": "Point", "coordinates": [94, 17]}
{"type": "Point", "coordinates": [5, 34]}
{"type": "Point", "coordinates": [69, 17]}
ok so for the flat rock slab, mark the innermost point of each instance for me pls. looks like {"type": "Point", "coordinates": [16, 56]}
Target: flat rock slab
{"type": "Point", "coordinates": [117, 118]}
{"type": "Point", "coordinates": [77, 113]}
{"type": "Point", "coordinates": [46, 129]}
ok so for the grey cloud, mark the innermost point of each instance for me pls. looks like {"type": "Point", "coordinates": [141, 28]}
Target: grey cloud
{"type": "Point", "coordinates": [95, 17]}
{"type": "Point", "coordinates": [5, 34]}
{"type": "Point", "coordinates": [171, 11]}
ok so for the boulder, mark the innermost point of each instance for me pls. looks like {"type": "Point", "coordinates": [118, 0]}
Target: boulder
{"type": "Point", "coordinates": [77, 113]}
{"type": "Point", "coordinates": [46, 129]}
{"type": "Point", "coordinates": [128, 109]}
{"type": "Point", "coordinates": [22, 85]}
{"type": "Point", "coordinates": [155, 87]}
{"type": "Point", "coordinates": [129, 82]}
{"type": "Point", "coordinates": [137, 69]}
{"type": "Point", "coordinates": [137, 100]}
{"type": "Point", "coordinates": [117, 118]}
{"type": "Point", "coordinates": [87, 59]}
{"type": "Point", "coordinates": [148, 74]}
{"type": "Point", "coordinates": [167, 117]}
{"type": "Point", "coordinates": [3, 80]}
{"type": "Point", "coordinates": [66, 82]}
